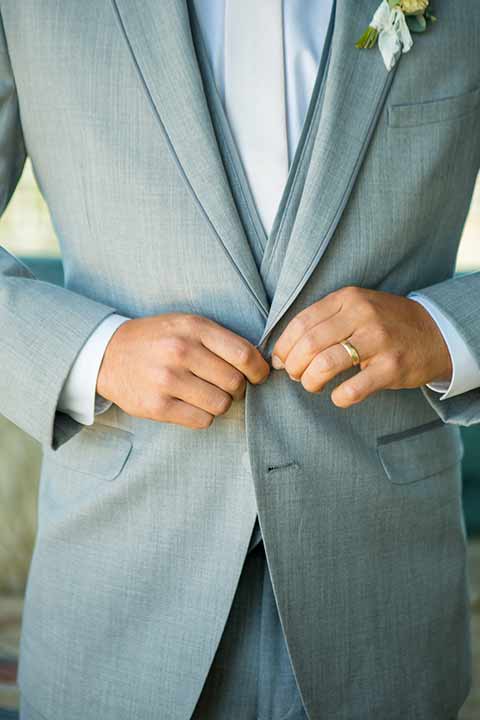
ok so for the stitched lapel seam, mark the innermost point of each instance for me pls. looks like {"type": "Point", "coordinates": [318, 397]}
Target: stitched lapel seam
{"type": "Point", "coordinates": [340, 208]}
{"type": "Point", "coordinates": [299, 157]}
{"type": "Point", "coordinates": [172, 83]}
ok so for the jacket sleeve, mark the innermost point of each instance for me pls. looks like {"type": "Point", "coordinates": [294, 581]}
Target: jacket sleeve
{"type": "Point", "coordinates": [459, 300]}
{"type": "Point", "coordinates": [42, 326]}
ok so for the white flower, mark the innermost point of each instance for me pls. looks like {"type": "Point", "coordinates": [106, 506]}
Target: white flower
{"type": "Point", "coordinates": [393, 34]}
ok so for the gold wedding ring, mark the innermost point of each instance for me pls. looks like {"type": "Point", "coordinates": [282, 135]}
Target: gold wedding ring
{"type": "Point", "coordinates": [353, 352]}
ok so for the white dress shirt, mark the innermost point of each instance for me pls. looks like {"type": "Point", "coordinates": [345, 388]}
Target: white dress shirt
{"type": "Point", "coordinates": [304, 27]}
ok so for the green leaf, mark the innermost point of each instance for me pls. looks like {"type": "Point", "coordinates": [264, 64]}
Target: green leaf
{"type": "Point", "coordinates": [416, 23]}
{"type": "Point", "coordinates": [368, 39]}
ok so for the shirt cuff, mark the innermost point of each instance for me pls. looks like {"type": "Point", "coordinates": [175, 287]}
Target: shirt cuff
{"type": "Point", "coordinates": [465, 369]}
{"type": "Point", "coordinates": [79, 398]}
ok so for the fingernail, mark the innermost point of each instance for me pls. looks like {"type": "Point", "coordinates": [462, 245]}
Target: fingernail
{"type": "Point", "coordinates": [293, 378]}
{"type": "Point", "coordinates": [277, 363]}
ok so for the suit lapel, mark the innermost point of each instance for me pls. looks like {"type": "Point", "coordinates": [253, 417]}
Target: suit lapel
{"type": "Point", "coordinates": [357, 83]}
{"type": "Point", "coordinates": [159, 38]}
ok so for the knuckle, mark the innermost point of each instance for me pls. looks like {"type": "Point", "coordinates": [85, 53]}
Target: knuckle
{"type": "Point", "coordinates": [193, 322]}
{"type": "Point", "coordinates": [221, 404]}
{"type": "Point", "coordinates": [258, 377]}
{"type": "Point", "coordinates": [393, 362]}
{"type": "Point", "coordinates": [381, 335]}
{"type": "Point", "coordinates": [369, 310]}
{"type": "Point", "coordinates": [299, 324]}
{"type": "Point", "coordinates": [329, 361]}
{"type": "Point", "coordinates": [245, 354]}
{"type": "Point", "coordinates": [160, 406]}
{"type": "Point", "coordinates": [351, 293]}
{"type": "Point", "coordinates": [235, 383]}
{"type": "Point", "coordinates": [178, 348]}
{"type": "Point", "coordinates": [310, 343]}
{"type": "Point", "coordinates": [202, 422]}
{"type": "Point", "coordinates": [165, 377]}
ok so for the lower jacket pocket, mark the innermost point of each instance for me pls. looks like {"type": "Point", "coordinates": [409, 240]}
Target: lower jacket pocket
{"type": "Point", "coordinates": [420, 452]}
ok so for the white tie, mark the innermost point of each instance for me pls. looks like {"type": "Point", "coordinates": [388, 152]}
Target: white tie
{"type": "Point", "coordinates": [255, 100]}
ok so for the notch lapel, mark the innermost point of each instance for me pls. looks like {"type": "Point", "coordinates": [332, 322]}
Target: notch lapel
{"type": "Point", "coordinates": [357, 83]}
{"type": "Point", "coordinates": [159, 38]}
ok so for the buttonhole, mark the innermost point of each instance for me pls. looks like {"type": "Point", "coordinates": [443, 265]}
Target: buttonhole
{"type": "Point", "coordinates": [272, 468]}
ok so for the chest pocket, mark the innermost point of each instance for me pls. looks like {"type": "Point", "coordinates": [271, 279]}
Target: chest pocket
{"type": "Point", "coordinates": [433, 111]}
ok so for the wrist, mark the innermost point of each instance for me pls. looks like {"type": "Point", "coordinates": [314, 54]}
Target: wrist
{"type": "Point", "coordinates": [440, 360]}
{"type": "Point", "coordinates": [106, 373]}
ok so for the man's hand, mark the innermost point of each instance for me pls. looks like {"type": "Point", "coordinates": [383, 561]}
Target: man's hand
{"type": "Point", "coordinates": [178, 368]}
{"type": "Point", "coordinates": [399, 344]}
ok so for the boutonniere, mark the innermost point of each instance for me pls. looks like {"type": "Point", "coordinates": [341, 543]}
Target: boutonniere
{"type": "Point", "coordinates": [392, 24]}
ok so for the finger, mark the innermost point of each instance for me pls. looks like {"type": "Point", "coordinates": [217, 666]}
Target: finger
{"type": "Point", "coordinates": [329, 363]}
{"type": "Point", "coordinates": [212, 368]}
{"type": "Point", "coordinates": [184, 385]}
{"type": "Point", "coordinates": [303, 322]}
{"type": "Point", "coordinates": [360, 386]}
{"type": "Point", "coordinates": [319, 338]}
{"type": "Point", "coordinates": [178, 412]}
{"type": "Point", "coordinates": [236, 350]}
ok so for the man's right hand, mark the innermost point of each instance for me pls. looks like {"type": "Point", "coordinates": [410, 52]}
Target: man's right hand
{"type": "Point", "coordinates": [178, 368]}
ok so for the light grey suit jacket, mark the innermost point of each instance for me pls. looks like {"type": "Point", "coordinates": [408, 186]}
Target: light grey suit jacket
{"type": "Point", "coordinates": [143, 527]}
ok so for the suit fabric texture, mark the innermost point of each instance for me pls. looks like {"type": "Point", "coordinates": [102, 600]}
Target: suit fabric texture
{"type": "Point", "coordinates": [251, 677]}
{"type": "Point", "coordinates": [143, 526]}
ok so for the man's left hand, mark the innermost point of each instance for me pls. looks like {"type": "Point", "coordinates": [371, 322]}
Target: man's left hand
{"type": "Point", "coordinates": [399, 344]}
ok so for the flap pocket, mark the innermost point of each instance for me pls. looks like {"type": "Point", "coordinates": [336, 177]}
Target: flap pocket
{"type": "Point", "coordinates": [420, 452]}
{"type": "Point", "coordinates": [433, 111]}
{"type": "Point", "coordinates": [95, 450]}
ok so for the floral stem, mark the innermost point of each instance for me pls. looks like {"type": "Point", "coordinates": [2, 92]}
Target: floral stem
{"type": "Point", "coordinates": [368, 39]}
